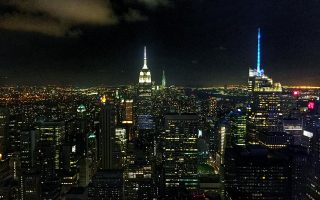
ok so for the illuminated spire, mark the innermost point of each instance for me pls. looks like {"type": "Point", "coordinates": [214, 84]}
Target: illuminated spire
{"type": "Point", "coordinates": [145, 74]}
{"type": "Point", "coordinates": [145, 58]}
{"type": "Point", "coordinates": [163, 79]}
{"type": "Point", "coordinates": [259, 54]}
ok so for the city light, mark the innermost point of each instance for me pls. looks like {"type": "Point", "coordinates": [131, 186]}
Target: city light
{"type": "Point", "coordinates": [103, 99]}
{"type": "Point", "coordinates": [87, 113]}
{"type": "Point", "coordinates": [311, 105]}
{"type": "Point", "coordinates": [296, 93]}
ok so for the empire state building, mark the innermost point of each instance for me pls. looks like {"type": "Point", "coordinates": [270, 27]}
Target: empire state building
{"type": "Point", "coordinates": [144, 91]}
{"type": "Point", "coordinates": [145, 74]}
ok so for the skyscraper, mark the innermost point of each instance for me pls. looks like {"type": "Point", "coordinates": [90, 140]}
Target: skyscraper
{"type": "Point", "coordinates": [255, 173]}
{"type": "Point", "coordinates": [30, 180]}
{"type": "Point", "coordinates": [264, 107]}
{"type": "Point", "coordinates": [313, 172]}
{"type": "Point", "coordinates": [144, 115]}
{"type": "Point", "coordinates": [180, 153]}
{"type": "Point", "coordinates": [52, 132]}
{"type": "Point", "coordinates": [144, 89]}
{"type": "Point", "coordinates": [106, 184]}
{"type": "Point", "coordinates": [4, 114]}
{"type": "Point", "coordinates": [51, 135]}
{"type": "Point", "coordinates": [107, 134]}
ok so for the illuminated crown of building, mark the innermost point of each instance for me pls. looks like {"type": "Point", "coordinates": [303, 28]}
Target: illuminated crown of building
{"type": "Point", "coordinates": [145, 74]}
{"type": "Point", "coordinates": [258, 71]}
{"type": "Point", "coordinates": [262, 82]}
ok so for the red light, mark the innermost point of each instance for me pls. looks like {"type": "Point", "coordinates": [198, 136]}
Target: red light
{"type": "Point", "coordinates": [296, 93]}
{"type": "Point", "coordinates": [311, 105]}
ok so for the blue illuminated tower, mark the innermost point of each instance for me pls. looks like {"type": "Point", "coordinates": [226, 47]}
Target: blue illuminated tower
{"type": "Point", "coordinates": [264, 108]}
{"type": "Point", "coordinates": [259, 70]}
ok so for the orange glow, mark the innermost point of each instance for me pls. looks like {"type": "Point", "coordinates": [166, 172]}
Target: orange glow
{"type": "Point", "coordinates": [0, 156]}
{"type": "Point", "coordinates": [103, 99]}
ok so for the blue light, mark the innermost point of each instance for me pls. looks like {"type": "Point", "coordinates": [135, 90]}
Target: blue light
{"type": "Point", "coordinates": [258, 54]}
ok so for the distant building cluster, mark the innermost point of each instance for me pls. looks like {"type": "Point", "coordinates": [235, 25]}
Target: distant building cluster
{"type": "Point", "coordinates": [260, 141]}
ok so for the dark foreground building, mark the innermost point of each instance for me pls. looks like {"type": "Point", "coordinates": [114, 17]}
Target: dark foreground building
{"type": "Point", "coordinates": [107, 185]}
{"type": "Point", "coordinates": [256, 173]}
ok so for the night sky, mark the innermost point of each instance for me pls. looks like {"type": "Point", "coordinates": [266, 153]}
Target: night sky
{"type": "Point", "coordinates": [197, 42]}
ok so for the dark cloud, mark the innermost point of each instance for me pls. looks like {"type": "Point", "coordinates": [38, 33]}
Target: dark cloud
{"type": "Point", "coordinates": [134, 15]}
{"type": "Point", "coordinates": [155, 3]}
{"type": "Point", "coordinates": [58, 17]}
{"type": "Point", "coordinates": [29, 23]}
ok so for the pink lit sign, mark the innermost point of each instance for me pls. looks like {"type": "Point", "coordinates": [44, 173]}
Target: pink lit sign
{"type": "Point", "coordinates": [311, 105]}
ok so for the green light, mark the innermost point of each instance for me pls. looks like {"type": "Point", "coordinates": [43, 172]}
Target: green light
{"type": "Point", "coordinates": [91, 135]}
{"type": "Point", "coordinates": [81, 108]}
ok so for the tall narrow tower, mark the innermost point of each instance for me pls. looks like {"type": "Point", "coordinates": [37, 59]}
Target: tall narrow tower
{"type": "Point", "coordinates": [163, 79]}
{"type": "Point", "coordinates": [144, 89]}
{"type": "Point", "coordinates": [145, 74]}
{"type": "Point", "coordinates": [259, 70]}
{"type": "Point", "coordinates": [107, 135]}
{"type": "Point", "coordinates": [264, 108]}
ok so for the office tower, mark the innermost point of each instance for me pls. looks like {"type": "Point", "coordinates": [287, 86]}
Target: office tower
{"type": "Point", "coordinates": [313, 169]}
{"type": "Point", "coordinates": [106, 184]}
{"type": "Point", "coordinates": [69, 167]}
{"type": "Point", "coordinates": [65, 159]}
{"type": "Point", "coordinates": [238, 127]}
{"type": "Point", "coordinates": [84, 172]}
{"type": "Point", "coordinates": [256, 173]}
{"type": "Point", "coordinates": [275, 140]}
{"type": "Point", "coordinates": [14, 131]}
{"type": "Point", "coordinates": [212, 104]}
{"type": "Point", "coordinates": [51, 135]}
{"type": "Point", "coordinates": [107, 135]}
{"type": "Point", "coordinates": [30, 179]}
{"type": "Point", "coordinates": [82, 124]}
{"type": "Point", "coordinates": [138, 174]}
{"type": "Point", "coordinates": [54, 133]}
{"type": "Point", "coordinates": [28, 150]}
{"type": "Point", "coordinates": [289, 103]}
{"type": "Point", "coordinates": [128, 119]}
{"type": "Point", "coordinates": [4, 115]}
{"type": "Point", "coordinates": [120, 147]}
{"type": "Point", "coordinates": [128, 112]}
{"type": "Point", "coordinates": [30, 186]}
{"type": "Point", "coordinates": [8, 187]}
{"type": "Point", "coordinates": [299, 167]}
{"type": "Point", "coordinates": [88, 163]}
{"type": "Point", "coordinates": [222, 143]}
{"type": "Point", "coordinates": [180, 154]}
{"type": "Point", "coordinates": [264, 107]}
{"type": "Point", "coordinates": [293, 126]}
{"type": "Point", "coordinates": [92, 146]}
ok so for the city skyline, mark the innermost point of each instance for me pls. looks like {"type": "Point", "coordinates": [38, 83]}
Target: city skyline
{"type": "Point", "coordinates": [201, 43]}
{"type": "Point", "coordinates": [159, 99]}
